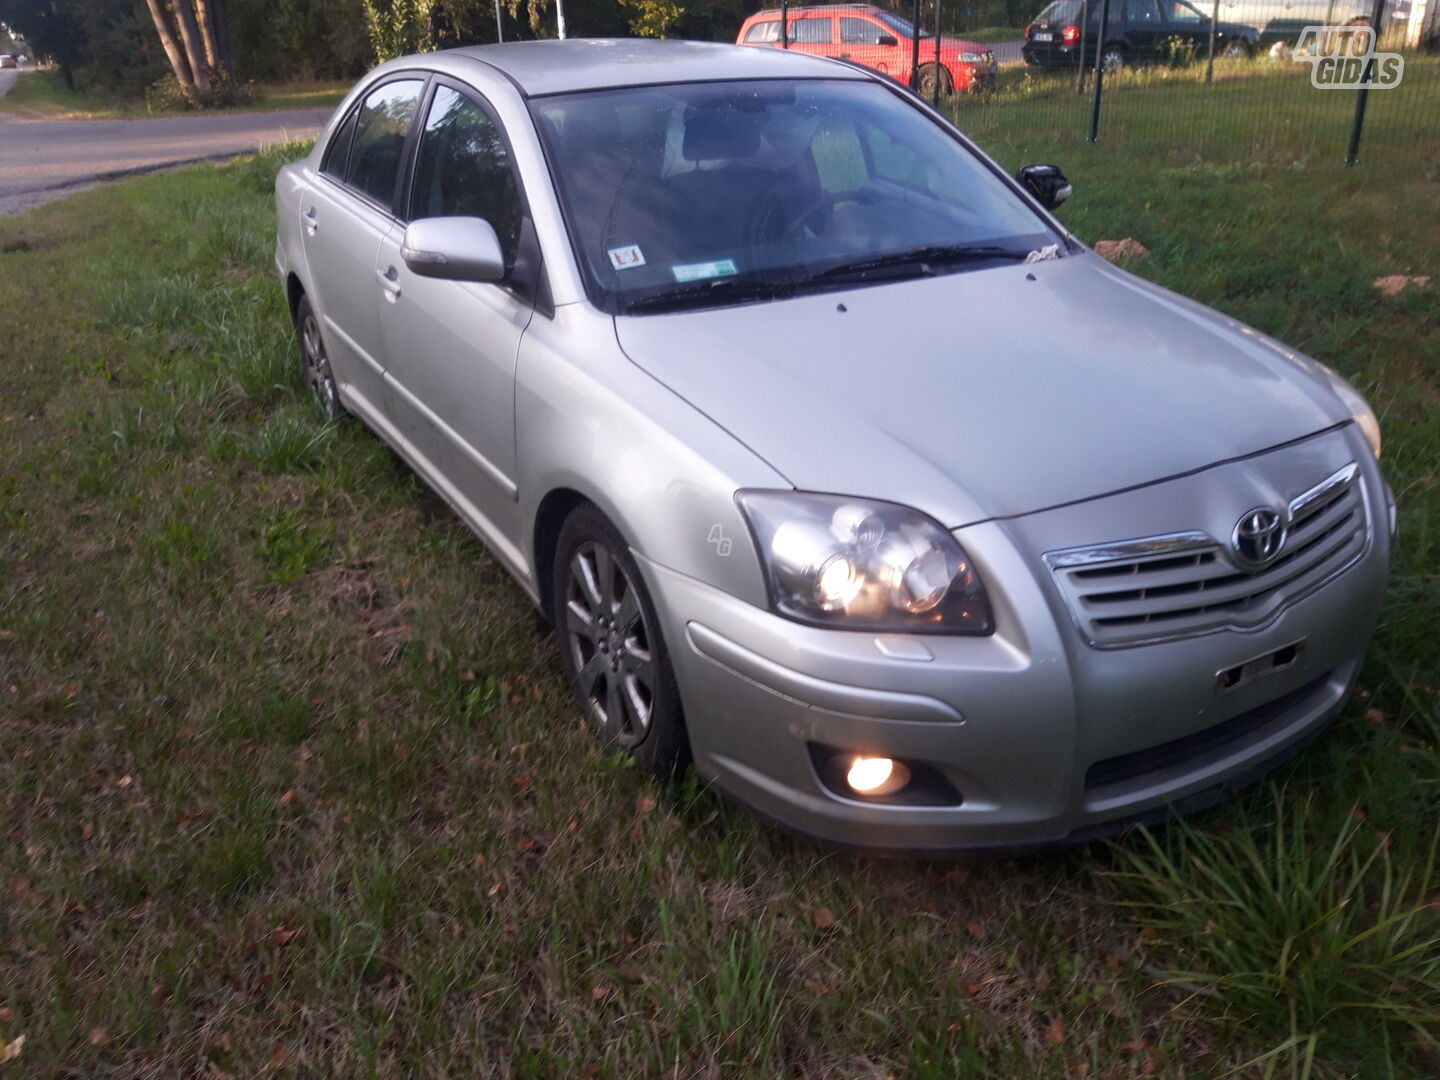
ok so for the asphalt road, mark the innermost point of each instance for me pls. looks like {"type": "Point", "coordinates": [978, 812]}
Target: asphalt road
{"type": "Point", "coordinates": [42, 160]}
{"type": "Point", "coordinates": [1007, 52]}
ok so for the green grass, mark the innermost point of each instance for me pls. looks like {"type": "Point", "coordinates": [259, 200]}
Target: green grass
{"type": "Point", "coordinates": [290, 783]}
{"type": "Point", "coordinates": [42, 95]}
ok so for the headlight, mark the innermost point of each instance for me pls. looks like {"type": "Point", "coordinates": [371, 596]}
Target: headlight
{"type": "Point", "coordinates": [864, 565]}
{"type": "Point", "coordinates": [972, 58]}
{"type": "Point", "coordinates": [1360, 410]}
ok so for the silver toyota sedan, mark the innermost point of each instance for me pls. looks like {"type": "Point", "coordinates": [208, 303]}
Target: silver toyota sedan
{"type": "Point", "coordinates": [840, 467]}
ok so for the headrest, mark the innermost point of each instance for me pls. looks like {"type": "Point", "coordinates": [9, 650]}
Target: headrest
{"type": "Point", "coordinates": [720, 133]}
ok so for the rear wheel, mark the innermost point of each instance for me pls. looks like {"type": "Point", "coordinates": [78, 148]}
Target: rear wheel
{"type": "Point", "coordinates": [1113, 59]}
{"type": "Point", "coordinates": [1236, 50]}
{"type": "Point", "coordinates": [315, 363]}
{"type": "Point", "coordinates": [611, 647]}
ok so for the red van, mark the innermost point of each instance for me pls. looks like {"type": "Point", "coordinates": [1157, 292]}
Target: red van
{"type": "Point", "coordinates": [878, 39]}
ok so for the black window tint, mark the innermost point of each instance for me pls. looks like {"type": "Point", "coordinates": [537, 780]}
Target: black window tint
{"type": "Point", "coordinates": [1142, 11]}
{"type": "Point", "coordinates": [338, 152]}
{"type": "Point", "coordinates": [859, 32]}
{"type": "Point", "coordinates": [380, 138]}
{"type": "Point", "coordinates": [810, 31]}
{"type": "Point", "coordinates": [464, 169]}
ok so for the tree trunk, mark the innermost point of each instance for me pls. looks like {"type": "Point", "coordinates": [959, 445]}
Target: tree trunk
{"type": "Point", "coordinates": [178, 63]}
{"type": "Point", "coordinates": [194, 51]}
{"type": "Point", "coordinates": [220, 16]}
{"type": "Point", "coordinates": [207, 35]}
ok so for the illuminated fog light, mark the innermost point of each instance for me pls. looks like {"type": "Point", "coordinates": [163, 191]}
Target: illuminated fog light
{"type": "Point", "coordinates": [876, 776]}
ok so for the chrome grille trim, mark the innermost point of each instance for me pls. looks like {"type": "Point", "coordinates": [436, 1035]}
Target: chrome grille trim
{"type": "Point", "coordinates": [1178, 585]}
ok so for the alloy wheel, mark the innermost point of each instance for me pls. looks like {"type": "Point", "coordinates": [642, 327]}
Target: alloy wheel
{"type": "Point", "coordinates": [315, 368]}
{"type": "Point", "coordinates": [610, 644]}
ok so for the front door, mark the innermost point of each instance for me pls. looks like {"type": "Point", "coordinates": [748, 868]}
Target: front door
{"type": "Point", "coordinates": [450, 346]}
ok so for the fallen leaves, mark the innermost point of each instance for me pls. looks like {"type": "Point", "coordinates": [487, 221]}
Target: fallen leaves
{"type": "Point", "coordinates": [1121, 250]}
{"type": "Point", "coordinates": [1393, 285]}
{"type": "Point", "coordinates": [99, 1036]}
{"type": "Point", "coordinates": [976, 929]}
{"type": "Point", "coordinates": [9, 1051]}
{"type": "Point", "coordinates": [1054, 1032]}
{"type": "Point", "coordinates": [824, 918]}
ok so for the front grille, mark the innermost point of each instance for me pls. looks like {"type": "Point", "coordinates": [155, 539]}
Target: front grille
{"type": "Point", "coordinates": [1179, 585]}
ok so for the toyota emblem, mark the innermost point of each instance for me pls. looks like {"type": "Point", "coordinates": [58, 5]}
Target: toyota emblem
{"type": "Point", "coordinates": [1259, 536]}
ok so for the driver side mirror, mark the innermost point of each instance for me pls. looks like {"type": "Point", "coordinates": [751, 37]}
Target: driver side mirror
{"type": "Point", "coordinates": [453, 249]}
{"type": "Point", "coordinates": [1046, 183]}
{"type": "Point", "coordinates": [888, 39]}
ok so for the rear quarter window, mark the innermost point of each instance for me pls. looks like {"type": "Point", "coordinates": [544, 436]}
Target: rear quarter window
{"type": "Point", "coordinates": [763, 33]}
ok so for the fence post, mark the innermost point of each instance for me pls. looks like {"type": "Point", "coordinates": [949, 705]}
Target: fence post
{"type": "Point", "coordinates": [784, 24]}
{"type": "Point", "coordinates": [915, 49]}
{"type": "Point", "coordinates": [1099, 68]}
{"type": "Point", "coordinates": [1084, 29]}
{"type": "Point", "coordinates": [1210, 56]}
{"type": "Point", "coordinates": [935, 96]}
{"type": "Point", "coordinates": [1352, 155]}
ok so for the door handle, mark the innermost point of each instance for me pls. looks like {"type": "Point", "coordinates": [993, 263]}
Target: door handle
{"type": "Point", "coordinates": [312, 221]}
{"type": "Point", "coordinates": [390, 281]}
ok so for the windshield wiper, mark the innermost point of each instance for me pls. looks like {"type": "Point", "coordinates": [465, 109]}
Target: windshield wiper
{"type": "Point", "coordinates": [920, 261]}
{"type": "Point", "coordinates": [727, 290]}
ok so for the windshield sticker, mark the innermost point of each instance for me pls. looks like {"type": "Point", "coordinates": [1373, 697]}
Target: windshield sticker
{"type": "Point", "coordinates": [701, 271]}
{"type": "Point", "coordinates": [1049, 251]}
{"type": "Point", "coordinates": [627, 257]}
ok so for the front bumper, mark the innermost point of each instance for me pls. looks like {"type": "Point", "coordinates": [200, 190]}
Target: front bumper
{"type": "Point", "coordinates": [1045, 738]}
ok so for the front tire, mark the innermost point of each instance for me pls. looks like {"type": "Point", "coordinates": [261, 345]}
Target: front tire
{"type": "Point", "coordinates": [930, 75]}
{"type": "Point", "coordinates": [611, 647]}
{"type": "Point", "coordinates": [315, 363]}
{"type": "Point", "coordinates": [1236, 50]}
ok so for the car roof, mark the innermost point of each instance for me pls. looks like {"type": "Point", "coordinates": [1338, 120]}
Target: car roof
{"type": "Point", "coordinates": [820, 9]}
{"type": "Point", "coordinates": [557, 67]}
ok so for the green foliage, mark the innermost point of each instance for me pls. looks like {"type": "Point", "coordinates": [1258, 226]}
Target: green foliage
{"type": "Point", "coordinates": [167, 95]}
{"type": "Point", "coordinates": [398, 27]}
{"type": "Point", "coordinates": [653, 18]}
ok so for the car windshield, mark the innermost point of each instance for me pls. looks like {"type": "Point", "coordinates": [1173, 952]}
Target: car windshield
{"type": "Point", "coordinates": [903, 27]}
{"type": "Point", "coordinates": [770, 183]}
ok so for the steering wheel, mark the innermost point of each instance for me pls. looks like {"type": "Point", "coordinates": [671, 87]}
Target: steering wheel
{"type": "Point", "coordinates": [824, 202]}
{"type": "Point", "coordinates": [769, 206]}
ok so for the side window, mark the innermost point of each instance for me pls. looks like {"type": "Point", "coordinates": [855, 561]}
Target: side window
{"type": "Point", "coordinates": [1146, 11]}
{"type": "Point", "coordinates": [763, 33]}
{"type": "Point", "coordinates": [337, 154]}
{"type": "Point", "coordinates": [464, 169]}
{"type": "Point", "coordinates": [1184, 13]}
{"type": "Point", "coordinates": [810, 31]}
{"type": "Point", "coordinates": [859, 32]}
{"type": "Point", "coordinates": [384, 120]}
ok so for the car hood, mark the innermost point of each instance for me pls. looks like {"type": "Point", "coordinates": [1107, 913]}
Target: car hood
{"type": "Point", "coordinates": [986, 393]}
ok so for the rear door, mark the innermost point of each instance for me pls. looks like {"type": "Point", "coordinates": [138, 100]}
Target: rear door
{"type": "Point", "coordinates": [1145, 29]}
{"type": "Point", "coordinates": [814, 34]}
{"type": "Point", "coordinates": [345, 214]}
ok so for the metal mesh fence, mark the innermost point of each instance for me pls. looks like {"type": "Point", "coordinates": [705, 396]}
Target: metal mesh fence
{"type": "Point", "coordinates": [1252, 79]}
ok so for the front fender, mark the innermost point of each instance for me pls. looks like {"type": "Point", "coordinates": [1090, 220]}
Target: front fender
{"type": "Point", "coordinates": [590, 421]}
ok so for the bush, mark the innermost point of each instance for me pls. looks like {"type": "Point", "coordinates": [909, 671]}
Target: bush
{"type": "Point", "coordinates": [168, 95]}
